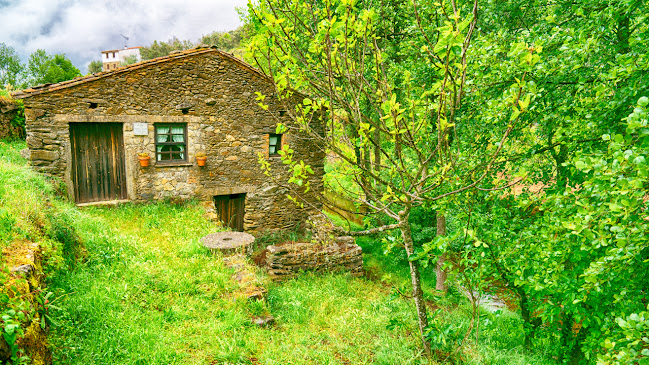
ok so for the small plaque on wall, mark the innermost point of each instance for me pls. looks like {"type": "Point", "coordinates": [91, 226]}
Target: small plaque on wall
{"type": "Point", "coordinates": [141, 129]}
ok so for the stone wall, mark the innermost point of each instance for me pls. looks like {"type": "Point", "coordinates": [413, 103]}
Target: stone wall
{"type": "Point", "coordinates": [25, 263]}
{"type": "Point", "coordinates": [8, 111]}
{"type": "Point", "coordinates": [287, 260]}
{"type": "Point", "coordinates": [206, 90]}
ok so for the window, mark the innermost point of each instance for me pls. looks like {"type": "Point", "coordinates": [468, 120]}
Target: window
{"type": "Point", "coordinates": [171, 142]}
{"type": "Point", "coordinates": [274, 144]}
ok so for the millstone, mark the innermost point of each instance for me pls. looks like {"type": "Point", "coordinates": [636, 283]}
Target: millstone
{"type": "Point", "coordinates": [229, 243]}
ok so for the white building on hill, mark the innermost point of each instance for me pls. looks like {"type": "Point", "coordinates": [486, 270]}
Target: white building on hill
{"type": "Point", "coordinates": [113, 58]}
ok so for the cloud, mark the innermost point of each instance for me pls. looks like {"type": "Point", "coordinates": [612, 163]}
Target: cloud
{"type": "Point", "coordinates": [82, 29]}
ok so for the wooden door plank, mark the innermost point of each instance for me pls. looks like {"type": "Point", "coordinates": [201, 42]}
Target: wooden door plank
{"type": "Point", "coordinates": [120, 168]}
{"type": "Point", "coordinates": [75, 171]}
{"type": "Point", "coordinates": [104, 156]}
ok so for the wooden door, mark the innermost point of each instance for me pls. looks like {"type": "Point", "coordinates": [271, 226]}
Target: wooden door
{"type": "Point", "coordinates": [98, 171]}
{"type": "Point", "coordinates": [231, 209]}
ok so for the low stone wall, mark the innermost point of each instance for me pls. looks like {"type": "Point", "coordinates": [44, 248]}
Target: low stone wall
{"type": "Point", "coordinates": [25, 280]}
{"type": "Point", "coordinates": [287, 260]}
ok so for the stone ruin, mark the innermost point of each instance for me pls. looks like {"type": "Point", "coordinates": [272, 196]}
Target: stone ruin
{"type": "Point", "coordinates": [325, 253]}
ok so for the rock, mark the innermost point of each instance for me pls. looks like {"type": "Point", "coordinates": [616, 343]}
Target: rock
{"type": "Point", "coordinates": [229, 243]}
{"type": "Point", "coordinates": [257, 294]}
{"type": "Point", "coordinates": [288, 260]}
{"type": "Point", "coordinates": [25, 269]}
{"type": "Point", "coordinates": [25, 153]}
{"type": "Point", "coordinates": [44, 155]}
{"type": "Point", "coordinates": [265, 321]}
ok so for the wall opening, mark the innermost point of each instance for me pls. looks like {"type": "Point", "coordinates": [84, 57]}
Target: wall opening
{"type": "Point", "coordinates": [231, 209]}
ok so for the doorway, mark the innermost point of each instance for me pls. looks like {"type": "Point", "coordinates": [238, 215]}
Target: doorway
{"type": "Point", "coordinates": [231, 209]}
{"type": "Point", "coordinates": [98, 171]}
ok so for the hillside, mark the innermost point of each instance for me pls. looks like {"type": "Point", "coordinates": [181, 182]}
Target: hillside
{"type": "Point", "coordinates": [132, 285]}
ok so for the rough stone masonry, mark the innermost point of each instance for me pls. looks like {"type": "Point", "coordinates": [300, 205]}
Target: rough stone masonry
{"type": "Point", "coordinates": [210, 92]}
{"type": "Point", "coordinates": [8, 111]}
{"type": "Point", "coordinates": [289, 259]}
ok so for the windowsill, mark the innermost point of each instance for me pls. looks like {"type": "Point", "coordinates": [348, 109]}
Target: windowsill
{"type": "Point", "coordinates": [173, 164]}
{"type": "Point", "coordinates": [275, 156]}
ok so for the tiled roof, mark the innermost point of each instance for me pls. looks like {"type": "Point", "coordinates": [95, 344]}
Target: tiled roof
{"type": "Point", "coordinates": [40, 89]}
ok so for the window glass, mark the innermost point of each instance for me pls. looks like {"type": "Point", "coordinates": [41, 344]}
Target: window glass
{"type": "Point", "coordinates": [171, 142]}
{"type": "Point", "coordinates": [274, 144]}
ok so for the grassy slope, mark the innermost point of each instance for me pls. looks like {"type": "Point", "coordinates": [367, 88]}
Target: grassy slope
{"type": "Point", "coordinates": [23, 195]}
{"type": "Point", "coordinates": [148, 293]}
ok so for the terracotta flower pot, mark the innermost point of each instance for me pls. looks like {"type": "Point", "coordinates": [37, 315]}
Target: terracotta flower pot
{"type": "Point", "coordinates": [144, 161]}
{"type": "Point", "coordinates": [201, 160]}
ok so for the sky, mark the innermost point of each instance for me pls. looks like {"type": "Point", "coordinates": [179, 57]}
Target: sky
{"type": "Point", "coordinates": [83, 28]}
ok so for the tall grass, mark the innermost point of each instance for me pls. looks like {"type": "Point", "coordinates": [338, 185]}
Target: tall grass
{"type": "Point", "coordinates": [149, 293]}
{"type": "Point", "coordinates": [23, 196]}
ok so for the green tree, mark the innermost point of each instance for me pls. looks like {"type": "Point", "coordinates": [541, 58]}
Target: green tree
{"type": "Point", "coordinates": [129, 60]}
{"type": "Point", "coordinates": [579, 258]}
{"type": "Point", "coordinates": [227, 41]}
{"type": "Point", "coordinates": [388, 90]}
{"type": "Point", "coordinates": [10, 66]}
{"type": "Point", "coordinates": [95, 66]}
{"type": "Point", "coordinates": [45, 69]}
{"type": "Point", "coordinates": [588, 77]}
{"type": "Point", "coordinates": [159, 49]}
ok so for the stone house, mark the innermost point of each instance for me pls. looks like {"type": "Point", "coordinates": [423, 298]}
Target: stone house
{"type": "Point", "coordinates": [89, 131]}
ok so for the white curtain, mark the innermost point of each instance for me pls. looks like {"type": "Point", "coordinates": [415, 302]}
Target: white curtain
{"type": "Point", "coordinates": [178, 134]}
{"type": "Point", "coordinates": [162, 137]}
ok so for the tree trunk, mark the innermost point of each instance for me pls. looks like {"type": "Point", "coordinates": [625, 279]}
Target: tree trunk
{"type": "Point", "coordinates": [440, 283]}
{"type": "Point", "coordinates": [417, 292]}
{"type": "Point", "coordinates": [623, 34]}
{"type": "Point", "coordinates": [377, 150]}
{"type": "Point", "coordinates": [530, 329]}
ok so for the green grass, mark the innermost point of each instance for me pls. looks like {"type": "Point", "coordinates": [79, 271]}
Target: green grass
{"type": "Point", "coordinates": [501, 335]}
{"type": "Point", "coordinates": [149, 293]}
{"type": "Point", "coordinates": [23, 196]}
{"type": "Point", "coordinates": [142, 290]}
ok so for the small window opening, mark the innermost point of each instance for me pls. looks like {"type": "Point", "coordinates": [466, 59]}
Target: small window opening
{"type": "Point", "coordinates": [184, 110]}
{"type": "Point", "coordinates": [93, 105]}
{"type": "Point", "coordinates": [274, 144]}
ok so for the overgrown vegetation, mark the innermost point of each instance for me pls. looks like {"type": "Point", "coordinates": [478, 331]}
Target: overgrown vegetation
{"type": "Point", "coordinates": [522, 124]}
{"type": "Point", "coordinates": [17, 113]}
{"type": "Point", "coordinates": [139, 288]}
{"type": "Point", "coordinates": [29, 213]}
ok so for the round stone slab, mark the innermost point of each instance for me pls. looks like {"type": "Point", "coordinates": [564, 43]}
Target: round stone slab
{"type": "Point", "coordinates": [229, 243]}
